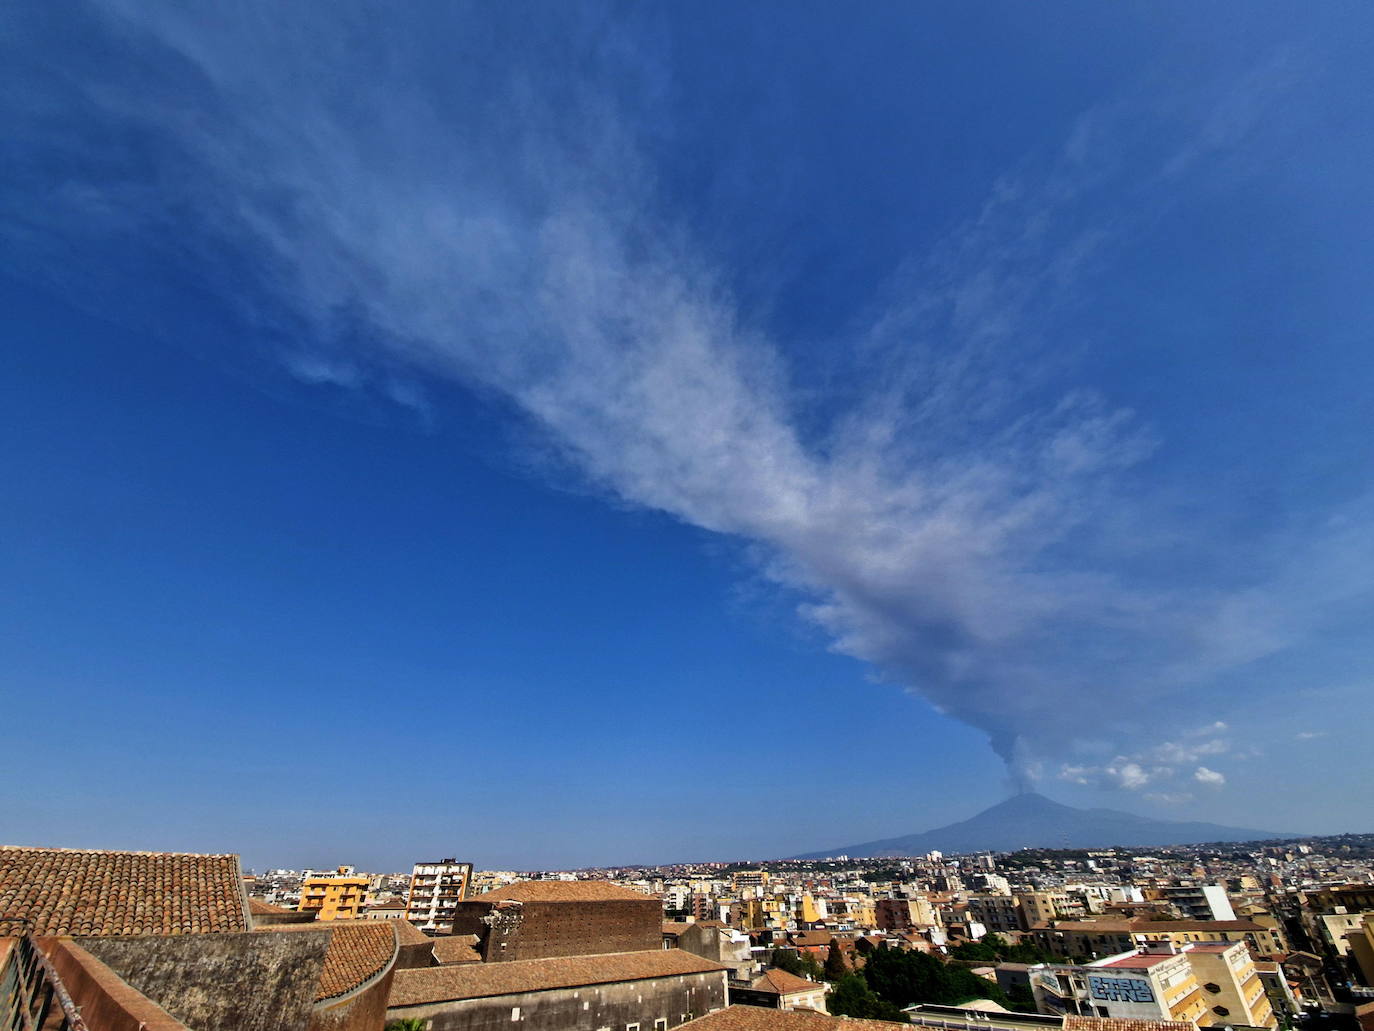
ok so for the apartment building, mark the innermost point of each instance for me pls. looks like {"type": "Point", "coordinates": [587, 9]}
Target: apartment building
{"type": "Point", "coordinates": [1199, 902]}
{"type": "Point", "coordinates": [1231, 984]}
{"type": "Point", "coordinates": [334, 896]}
{"type": "Point", "coordinates": [1201, 983]}
{"type": "Point", "coordinates": [435, 891]}
{"type": "Point", "coordinates": [1000, 914]}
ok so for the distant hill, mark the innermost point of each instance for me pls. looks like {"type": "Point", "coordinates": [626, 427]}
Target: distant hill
{"type": "Point", "coordinates": [1033, 821]}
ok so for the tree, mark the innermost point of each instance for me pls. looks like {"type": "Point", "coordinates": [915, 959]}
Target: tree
{"type": "Point", "coordinates": [836, 967]}
{"type": "Point", "coordinates": [1022, 998]}
{"type": "Point", "coordinates": [408, 1024]}
{"type": "Point", "coordinates": [786, 959]}
{"type": "Point", "coordinates": [904, 978]}
{"type": "Point", "coordinates": [803, 964]}
{"type": "Point", "coordinates": [852, 997]}
{"type": "Point", "coordinates": [979, 952]}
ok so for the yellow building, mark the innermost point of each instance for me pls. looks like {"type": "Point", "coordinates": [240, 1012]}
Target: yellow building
{"type": "Point", "coordinates": [1039, 907]}
{"type": "Point", "coordinates": [1105, 937]}
{"type": "Point", "coordinates": [1205, 984]}
{"type": "Point", "coordinates": [1264, 940]}
{"type": "Point", "coordinates": [1361, 945]}
{"type": "Point", "coordinates": [337, 896]}
{"type": "Point", "coordinates": [1231, 985]}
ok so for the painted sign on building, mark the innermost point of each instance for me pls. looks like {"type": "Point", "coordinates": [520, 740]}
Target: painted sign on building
{"type": "Point", "coordinates": [1121, 989]}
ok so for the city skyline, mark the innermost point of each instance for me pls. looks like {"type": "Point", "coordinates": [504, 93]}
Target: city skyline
{"type": "Point", "coordinates": [461, 429]}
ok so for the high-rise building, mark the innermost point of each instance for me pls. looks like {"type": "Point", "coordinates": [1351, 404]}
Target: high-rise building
{"type": "Point", "coordinates": [435, 891]}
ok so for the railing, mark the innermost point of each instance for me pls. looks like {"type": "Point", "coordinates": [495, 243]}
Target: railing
{"type": "Point", "coordinates": [32, 997]}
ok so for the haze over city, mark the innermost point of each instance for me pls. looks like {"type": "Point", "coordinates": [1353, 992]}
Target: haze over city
{"type": "Point", "coordinates": [592, 434]}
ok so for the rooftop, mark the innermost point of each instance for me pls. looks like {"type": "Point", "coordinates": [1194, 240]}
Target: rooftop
{"type": "Point", "coordinates": [564, 891]}
{"type": "Point", "coordinates": [358, 950]}
{"type": "Point", "coordinates": [1072, 1023]}
{"type": "Point", "coordinates": [759, 1018]}
{"type": "Point", "coordinates": [1139, 961]}
{"type": "Point", "coordinates": [98, 893]}
{"type": "Point", "coordinates": [480, 980]}
{"type": "Point", "coordinates": [780, 982]}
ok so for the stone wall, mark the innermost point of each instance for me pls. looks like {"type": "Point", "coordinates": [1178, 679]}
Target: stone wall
{"type": "Point", "coordinates": [652, 1003]}
{"type": "Point", "coordinates": [539, 930]}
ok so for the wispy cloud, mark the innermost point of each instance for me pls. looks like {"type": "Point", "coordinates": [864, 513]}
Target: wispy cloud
{"type": "Point", "coordinates": [961, 526]}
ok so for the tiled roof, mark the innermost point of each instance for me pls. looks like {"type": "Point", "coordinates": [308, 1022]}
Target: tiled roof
{"type": "Point", "coordinates": [780, 982]}
{"type": "Point", "coordinates": [257, 907]}
{"type": "Point", "coordinates": [479, 980]}
{"type": "Point", "coordinates": [358, 951]}
{"type": "Point", "coordinates": [564, 891]}
{"type": "Point", "coordinates": [759, 1018]}
{"type": "Point", "coordinates": [456, 950]}
{"type": "Point", "coordinates": [88, 893]}
{"type": "Point", "coordinates": [406, 932]}
{"type": "Point", "coordinates": [1072, 1023]}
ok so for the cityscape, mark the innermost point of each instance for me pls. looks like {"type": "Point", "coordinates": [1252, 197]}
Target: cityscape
{"type": "Point", "coordinates": [1262, 934]}
{"type": "Point", "coordinates": [648, 515]}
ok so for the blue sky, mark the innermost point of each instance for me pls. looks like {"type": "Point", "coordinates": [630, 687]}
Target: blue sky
{"type": "Point", "coordinates": [565, 434]}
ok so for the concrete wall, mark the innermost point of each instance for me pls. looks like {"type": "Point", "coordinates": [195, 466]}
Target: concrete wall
{"type": "Point", "coordinates": [673, 1000]}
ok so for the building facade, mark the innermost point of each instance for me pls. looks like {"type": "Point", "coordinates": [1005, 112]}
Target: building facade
{"type": "Point", "coordinates": [1204, 984]}
{"type": "Point", "coordinates": [337, 896]}
{"type": "Point", "coordinates": [435, 891]}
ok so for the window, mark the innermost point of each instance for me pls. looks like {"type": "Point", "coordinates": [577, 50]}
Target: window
{"type": "Point", "coordinates": [631, 1027]}
{"type": "Point", "coordinates": [661, 1024]}
{"type": "Point", "coordinates": [515, 1013]}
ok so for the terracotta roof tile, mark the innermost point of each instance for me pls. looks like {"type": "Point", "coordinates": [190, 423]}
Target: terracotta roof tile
{"type": "Point", "coordinates": [759, 1018]}
{"type": "Point", "coordinates": [564, 891]}
{"type": "Point", "coordinates": [780, 982]}
{"type": "Point", "coordinates": [406, 932]}
{"type": "Point", "coordinates": [257, 907]}
{"type": "Point", "coordinates": [456, 950]}
{"type": "Point", "coordinates": [1072, 1023]}
{"type": "Point", "coordinates": [90, 893]}
{"type": "Point", "coordinates": [1197, 925]}
{"type": "Point", "coordinates": [478, 980]}
{"type": "Point", "coordinates": [358, 951]}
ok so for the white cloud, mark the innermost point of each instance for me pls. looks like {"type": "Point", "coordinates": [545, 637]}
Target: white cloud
{"type": "Point", "coordinates": [1128, 775]}
{"type": "Point", "coordinates": [1211, 778]}
{"type": "Point", "coordinates": [960, 526]}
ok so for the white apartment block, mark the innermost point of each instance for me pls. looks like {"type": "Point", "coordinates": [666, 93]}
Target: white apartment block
{"type": "Point", "coordinates": [435, 891]}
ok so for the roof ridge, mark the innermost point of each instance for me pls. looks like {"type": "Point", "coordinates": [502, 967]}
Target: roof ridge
{"type": "Point", "coordinates": [117, 851]}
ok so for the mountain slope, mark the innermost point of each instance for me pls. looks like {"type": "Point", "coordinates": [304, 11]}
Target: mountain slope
{"type": "Point", "coordinates": [1032, 820]}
